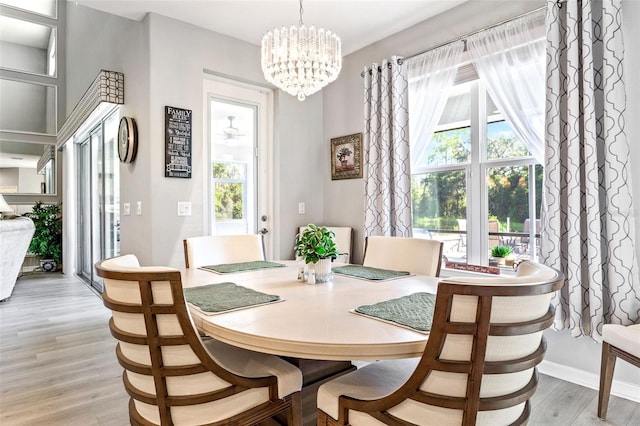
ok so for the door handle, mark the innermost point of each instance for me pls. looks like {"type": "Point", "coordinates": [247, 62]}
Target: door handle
{"type": "Point", "coordinates": [264, 231]}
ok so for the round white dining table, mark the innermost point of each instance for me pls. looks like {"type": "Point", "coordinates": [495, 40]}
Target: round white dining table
{"type": "Point", "coordinates": [313, 321]}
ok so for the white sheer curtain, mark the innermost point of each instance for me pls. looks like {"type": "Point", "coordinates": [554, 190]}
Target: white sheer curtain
{"type": "Point", "coordinates": [430, 76]}
{"type": "Point", "coordinates": [387, 197]}
{"type": "Point", "coordinates": [510, 59]}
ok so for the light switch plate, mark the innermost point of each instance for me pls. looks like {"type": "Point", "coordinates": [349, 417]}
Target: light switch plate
{"type": "Point", "coordinates": [301, 208]}
{"type": "Point", "coordinates": [139, 208]}
{"type": "Point", "coordinates": [126, 208]}
{"type": "Point", "coordinates": [184, 208]}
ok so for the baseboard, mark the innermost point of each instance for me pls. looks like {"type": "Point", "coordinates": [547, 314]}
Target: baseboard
{"type": "Point", "coordinates": [579, 377]}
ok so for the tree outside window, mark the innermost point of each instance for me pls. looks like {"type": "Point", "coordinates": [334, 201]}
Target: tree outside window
{"type": "Point", "coordinates": [460, 161]}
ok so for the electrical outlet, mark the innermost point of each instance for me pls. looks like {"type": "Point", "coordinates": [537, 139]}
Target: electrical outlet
{"type": "Point", "coordinates": [126, 208]}
{"type": "Point", "coordinates": [139, 208]}
{"type": "Point", "coordinates": [301, 208]}
{"type": "Point", "coordinates": [184, 208]}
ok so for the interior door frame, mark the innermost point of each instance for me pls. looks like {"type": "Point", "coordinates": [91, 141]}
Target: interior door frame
{"type": "Point", "coordinates": [225, 89]}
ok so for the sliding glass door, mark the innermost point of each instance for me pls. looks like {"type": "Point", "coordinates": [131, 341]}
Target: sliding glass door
{"type": "Point", "coordinates": [98, 198]}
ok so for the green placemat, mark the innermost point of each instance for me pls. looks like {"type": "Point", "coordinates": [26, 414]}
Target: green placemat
{"type": "Point", "coordinates": [215, 298]}
{"type": "Point", "coordinates": [414, 311]}
{"type": "Point", "coordinates": [226, 268]}
{"type": "Point", "coordinates": [368, 272]}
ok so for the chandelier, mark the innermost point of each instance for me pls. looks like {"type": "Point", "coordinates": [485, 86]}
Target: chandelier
{"type": "Point", "coordinates": [301, 60]}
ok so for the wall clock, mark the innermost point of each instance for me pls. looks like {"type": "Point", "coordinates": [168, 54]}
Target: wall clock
{"type": "Point", "coordinates": [127, 139]}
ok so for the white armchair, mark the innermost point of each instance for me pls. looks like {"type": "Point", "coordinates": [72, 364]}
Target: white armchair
{"type": "Point", "coordinates": [415, 255]}
{"type": "Point", "coordinates": [478, 367]}
{"type": "Point", "coordinates": [171, 375]}
{"type": "Point", "coordinates": [216, 249]}
{"type": "Point", "coordinates": [15, 237]}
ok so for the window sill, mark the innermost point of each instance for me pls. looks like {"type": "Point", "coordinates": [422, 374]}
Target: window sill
{"type": "Point", "coordinates": [447, 272]}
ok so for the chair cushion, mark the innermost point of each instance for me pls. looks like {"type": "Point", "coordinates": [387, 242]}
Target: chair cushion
{"type": "Point", "coordinates": [372, 381]}
{"type": "Point", "coordinates": [381, 378]}
{"type": "Point", "coordinates": [209, 412]}
{"type": "Point", "coordinates": [236, 360]}
{"type": "Point", "coordinates": [254, 364]}
{"type": "Point", "coordinates": [623, 337]}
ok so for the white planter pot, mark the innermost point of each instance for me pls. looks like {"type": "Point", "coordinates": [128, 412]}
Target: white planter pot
{"type": "Point", "coordinates": [323, 270]}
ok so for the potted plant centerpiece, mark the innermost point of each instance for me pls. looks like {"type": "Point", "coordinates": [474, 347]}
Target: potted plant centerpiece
{"type": "Point", "coordinates": [317, 247]}
{"type": "Point", "coordinates": [500, 253]}
{"type": "Point", "coordinates": [47, 239]}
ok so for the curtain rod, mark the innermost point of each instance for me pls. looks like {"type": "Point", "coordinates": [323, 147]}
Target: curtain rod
{"type": "Point", "coordinates": [464, 37]}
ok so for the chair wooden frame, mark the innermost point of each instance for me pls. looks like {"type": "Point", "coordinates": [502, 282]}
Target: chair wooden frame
{"type": "Point", "coordinates": [471, 403]}
{"type": "Point", "coordinates": [610, 354]}
{"type": "Point", "coordinates": [289, 406]}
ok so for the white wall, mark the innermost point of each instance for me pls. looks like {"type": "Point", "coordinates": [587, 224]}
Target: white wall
{"type": "Point", "coordinates": [571, 359]}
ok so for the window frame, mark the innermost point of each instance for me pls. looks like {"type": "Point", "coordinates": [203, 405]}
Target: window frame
{"type": "Point", "coordinates": [477, 203]}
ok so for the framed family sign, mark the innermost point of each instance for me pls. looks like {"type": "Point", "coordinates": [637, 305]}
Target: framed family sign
{"type": "Point", "coordinates": [346, 157]}
{"type": "Point", "coordinates": [178, 127]}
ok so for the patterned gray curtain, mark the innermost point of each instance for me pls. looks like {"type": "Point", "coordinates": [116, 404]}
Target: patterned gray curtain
{"type": "Point", "coordinates": [386, 151]}
{"type": "Point", "coordinates": [588, 223]}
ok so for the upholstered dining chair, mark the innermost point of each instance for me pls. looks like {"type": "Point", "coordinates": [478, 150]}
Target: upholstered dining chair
{"type": "Point", "coordinates": [344, 241]}
{"type": "Point", "coordinates": [218, 249]}
{"type": "Point", "coordinates": [478, 366]}
{"type": "Point", "coordinates": [618, 341]}
{"type": "Point", "coordinates": [415, 255]}
{"type": "Point", "coordinates": [174, 378]}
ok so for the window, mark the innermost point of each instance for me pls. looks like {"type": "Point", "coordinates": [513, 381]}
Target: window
{"type": "Point", "coordinates": [475, 185]}
{"type": "Point", "coordinates": [230, 185]}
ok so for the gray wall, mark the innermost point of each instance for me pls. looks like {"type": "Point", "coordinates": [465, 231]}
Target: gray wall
{"type": "Point", "coordinates": [23, 58]}
{"type": "Point", "coordinates": [163, 61]}
{"type": "Point", "coordinates": [23, 107]}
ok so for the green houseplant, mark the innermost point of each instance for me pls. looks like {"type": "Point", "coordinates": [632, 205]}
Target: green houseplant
{"type": "Point", "coordinates": [500, 253]}
{"type": "Point", "coordinates": [47, 239]}
{"type": "Point", "coordinates": [317, 247]}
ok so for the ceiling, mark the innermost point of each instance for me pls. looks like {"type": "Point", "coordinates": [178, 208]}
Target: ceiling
{"type": "Point", "coordinates": [358, 23]}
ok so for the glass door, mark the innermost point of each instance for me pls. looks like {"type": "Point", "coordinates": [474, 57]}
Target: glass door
{"type": "Point", "coordinates": [234, 168]}
{"type": "Point", "coordinates": [98, 198]}
{"type": "Point", "coordinates": [240, 160]}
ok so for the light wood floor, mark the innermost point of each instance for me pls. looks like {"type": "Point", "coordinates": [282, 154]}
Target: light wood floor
{"type": "Point", "coordinates": [58, 366]}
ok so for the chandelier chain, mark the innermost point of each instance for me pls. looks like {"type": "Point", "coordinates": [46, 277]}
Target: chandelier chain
{"type": "Point", "coordinates": [301, 22]}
